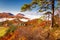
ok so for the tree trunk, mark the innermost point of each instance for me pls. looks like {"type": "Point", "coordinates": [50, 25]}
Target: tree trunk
{"type": "Point", "coordinates": [52, 13]}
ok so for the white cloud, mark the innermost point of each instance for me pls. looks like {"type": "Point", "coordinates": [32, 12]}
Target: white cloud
{"type": "Point", "coordinates": [24, 20]}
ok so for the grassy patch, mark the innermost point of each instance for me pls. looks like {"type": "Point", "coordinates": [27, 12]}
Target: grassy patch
{"type": "Point", "coordinates": [3, 31]}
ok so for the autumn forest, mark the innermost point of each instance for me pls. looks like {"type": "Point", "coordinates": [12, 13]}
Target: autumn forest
{"type": "Point", "coordinates": [20, 27]}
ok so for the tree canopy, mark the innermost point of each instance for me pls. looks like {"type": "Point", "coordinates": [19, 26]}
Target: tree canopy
{"type": "Point", "coordinates": [42, 4]}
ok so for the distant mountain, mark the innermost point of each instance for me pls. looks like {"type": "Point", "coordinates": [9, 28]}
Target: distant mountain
{"type": "Point", "coordinates": [6, 15]}
{"type": "Point", "coordinates": [9, 16]}
{"type": "Point", "coordinates": [19, 15]}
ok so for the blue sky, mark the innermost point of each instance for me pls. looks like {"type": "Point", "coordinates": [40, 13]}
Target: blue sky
{"type": "Point", "coordinates": [12, 5]}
